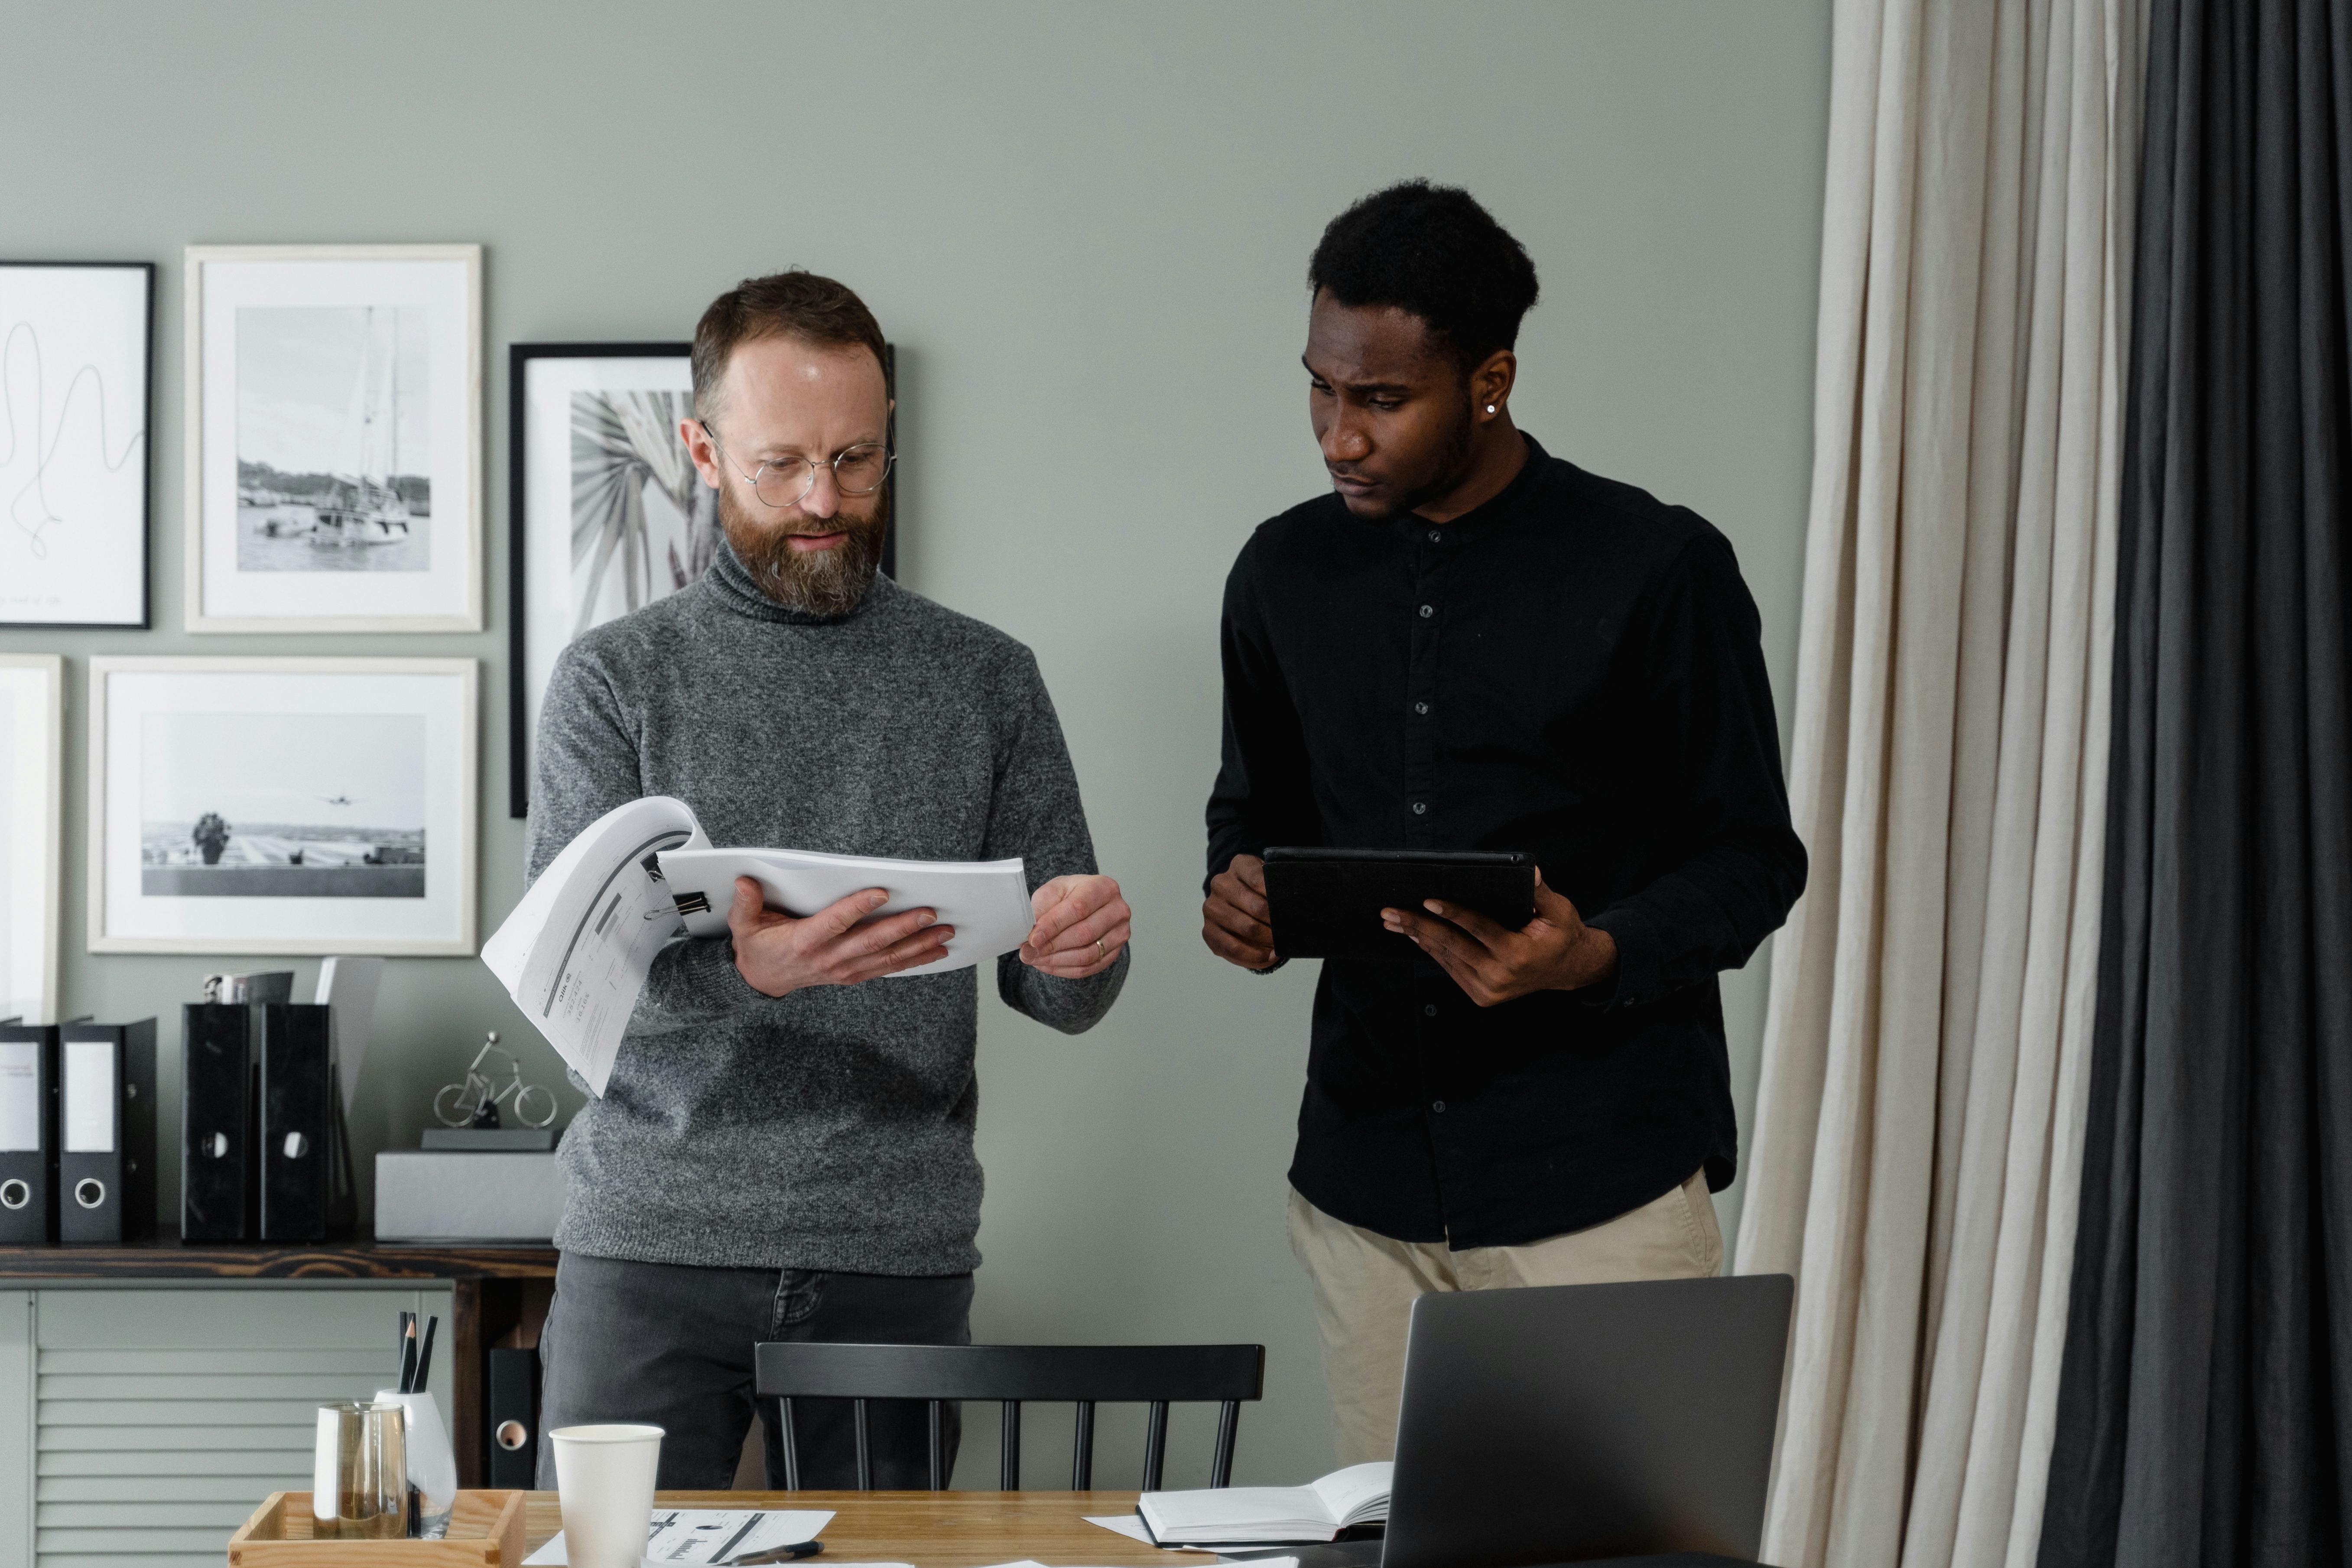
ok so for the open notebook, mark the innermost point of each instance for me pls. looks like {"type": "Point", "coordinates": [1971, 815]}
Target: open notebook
{"type": "Point", "coordinates": [1319, 1510]}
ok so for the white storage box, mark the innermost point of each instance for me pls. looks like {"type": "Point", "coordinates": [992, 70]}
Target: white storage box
{"type": "Point", "coordinates": [425, 1195]}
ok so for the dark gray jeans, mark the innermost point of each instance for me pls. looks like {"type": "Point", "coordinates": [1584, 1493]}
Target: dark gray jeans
{"type": "Point", "coordinates": [672, 1345]}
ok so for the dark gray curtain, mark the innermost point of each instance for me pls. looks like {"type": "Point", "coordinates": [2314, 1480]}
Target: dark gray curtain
{"type": "Point", "coordinates": [2205, 1409]}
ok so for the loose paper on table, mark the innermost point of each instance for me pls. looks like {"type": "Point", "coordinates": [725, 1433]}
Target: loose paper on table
{"type": "Point", "coordinates": [1127, 1524]}
{"type": "Point", "coordinates": [712, 1535]}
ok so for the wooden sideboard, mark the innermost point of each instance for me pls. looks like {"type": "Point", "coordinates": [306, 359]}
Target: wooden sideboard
{"type": "Point", "coordinates": [492, 1289]}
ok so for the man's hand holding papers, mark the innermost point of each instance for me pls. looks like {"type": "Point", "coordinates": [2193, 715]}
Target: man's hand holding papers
{"type": "Point", "coordinates": [777, 954]}
{"type": "Point", "coordinates": [576, 952]}
{"type": "Point", "coordinates": [1082, 923]}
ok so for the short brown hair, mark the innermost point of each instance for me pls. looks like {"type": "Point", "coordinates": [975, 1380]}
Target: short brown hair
{"type": "Point", "coordinates": [792, 304]}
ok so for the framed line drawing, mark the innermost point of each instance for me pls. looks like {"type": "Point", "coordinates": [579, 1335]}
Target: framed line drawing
{"type": "Point", "coordinates": [77, 374]}
{"type": "Point", "coordinates": [605, 513]}
{"type": "Point", "coordinates": [32, 789]}
{"type": "Point", "coordinates": [283, 806]}
{"type": "Point", "coordinates": [334, 438]}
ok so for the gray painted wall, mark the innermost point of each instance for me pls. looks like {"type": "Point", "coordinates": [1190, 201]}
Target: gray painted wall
{"type": "Point", "coordinates": [1086, 226]}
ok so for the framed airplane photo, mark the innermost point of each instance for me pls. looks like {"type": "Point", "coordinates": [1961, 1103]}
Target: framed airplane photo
{"type": "Point", "coordinates": [283, 805]}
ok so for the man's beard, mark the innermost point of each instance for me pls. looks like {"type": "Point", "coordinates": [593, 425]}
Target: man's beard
{"type": "Point", "coordinates": [816, 582]}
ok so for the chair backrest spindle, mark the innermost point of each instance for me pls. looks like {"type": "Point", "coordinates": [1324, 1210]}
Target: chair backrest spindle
{"type": "Point", "coordinates": [1229, 1420]}
{"type": "Point", "coordinates": [1155, 1445]}
{"type": "Point", "coordinates": [1008, 1463]}
{"type": "Point", "coordinates": [785, 1441]}
{"type": "Point", "coordinates": [1082, 1448]}
{"type": "Point", "coordinates": [865, 1450]}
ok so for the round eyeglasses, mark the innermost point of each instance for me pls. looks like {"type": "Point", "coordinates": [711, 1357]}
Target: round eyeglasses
{"type": "Point", "coordinates": [857, 470]}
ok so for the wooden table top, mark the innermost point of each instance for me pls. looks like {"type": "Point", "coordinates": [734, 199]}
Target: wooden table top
{"type": "Point", "coordinates": [934, 1530]}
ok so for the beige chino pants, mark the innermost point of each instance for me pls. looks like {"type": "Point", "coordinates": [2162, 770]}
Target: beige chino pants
{"type": "Point", "coordinates": [1365, 1284]}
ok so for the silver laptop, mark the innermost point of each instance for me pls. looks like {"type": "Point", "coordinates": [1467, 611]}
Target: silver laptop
{"type": "Point", "coordinates": [1562, 1424]}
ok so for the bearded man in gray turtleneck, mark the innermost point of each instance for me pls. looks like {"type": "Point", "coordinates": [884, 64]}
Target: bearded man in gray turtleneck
{"type": "Point", "coordinates": [785, 1148]}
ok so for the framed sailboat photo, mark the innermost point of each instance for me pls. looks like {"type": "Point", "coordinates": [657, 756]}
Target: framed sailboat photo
{"type": "Point", "coordinates": [334, 438]}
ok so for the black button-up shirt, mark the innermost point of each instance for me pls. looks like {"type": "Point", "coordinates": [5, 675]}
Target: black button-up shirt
{"type": "Point", "coordinates": [1571, 669]}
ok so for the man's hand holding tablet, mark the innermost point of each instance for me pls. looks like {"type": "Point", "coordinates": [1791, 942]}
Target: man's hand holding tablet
{"type": "Point", "coordinates": [1554, 952]}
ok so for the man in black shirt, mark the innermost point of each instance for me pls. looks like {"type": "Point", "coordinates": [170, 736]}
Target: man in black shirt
{"type": "Point", "coordinates": [1475, 645]}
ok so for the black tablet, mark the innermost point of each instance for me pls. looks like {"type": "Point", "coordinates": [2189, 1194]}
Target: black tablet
{"type": "Point", "coordinates": [1328, 902]}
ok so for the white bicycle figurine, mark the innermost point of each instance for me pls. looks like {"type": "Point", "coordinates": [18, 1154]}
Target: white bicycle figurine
{"type": "Point", "coordinates": [475, 1102]}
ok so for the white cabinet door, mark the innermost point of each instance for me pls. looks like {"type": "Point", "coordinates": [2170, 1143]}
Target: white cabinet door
{"type": "Point", "coordinates": [15, 1426]}
{"type": "Point", "coordinates": [162, 1418]}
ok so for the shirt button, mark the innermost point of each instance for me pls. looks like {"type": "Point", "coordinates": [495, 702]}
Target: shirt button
{"type": "Point", "coordinates": [1421, 808]}
{"type": "Point", "coordinates": [1421, 707]}
{"type": "Point", "coordinates": [1435, 536]}
{"type": "Point", "coordinates": [1427, 611]}
{"type": "Point", "coordinates": [1429, 1009]}
{"type": "Point", "coordinates": [1437, 1105]}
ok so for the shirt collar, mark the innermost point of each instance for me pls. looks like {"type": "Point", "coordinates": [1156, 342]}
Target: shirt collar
{"type": "Point", "coordinates": [1501, 506]}
{"type": "Point", "coordinates": [731, 583]}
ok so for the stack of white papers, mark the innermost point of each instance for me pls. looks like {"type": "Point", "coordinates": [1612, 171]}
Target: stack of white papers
{"type": "Point", "coordinates": [575, 951]}
{"type": "Point", "coordinates": [987, 901]}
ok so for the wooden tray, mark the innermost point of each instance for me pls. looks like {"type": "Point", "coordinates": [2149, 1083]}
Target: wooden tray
{"type": "Point", "coordinates": [485, 1531]}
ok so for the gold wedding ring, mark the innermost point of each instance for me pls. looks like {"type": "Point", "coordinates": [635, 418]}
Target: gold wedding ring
{"type": "Point", "coordinates": [1100, 948]}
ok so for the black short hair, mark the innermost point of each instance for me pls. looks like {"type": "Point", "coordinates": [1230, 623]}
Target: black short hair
{"type": "Point", "coordinates": [1433, 251]}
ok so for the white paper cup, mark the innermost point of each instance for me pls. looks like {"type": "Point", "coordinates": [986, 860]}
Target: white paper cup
{"type": "Point", "coordinates": [604, 1482]}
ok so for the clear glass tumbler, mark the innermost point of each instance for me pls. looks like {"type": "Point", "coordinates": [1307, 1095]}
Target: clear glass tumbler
{"type": "Point", "coordinates": [359, 1472]}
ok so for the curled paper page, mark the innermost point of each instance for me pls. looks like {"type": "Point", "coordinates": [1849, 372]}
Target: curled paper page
{"type": "Point", "coordinates": [573, 955]}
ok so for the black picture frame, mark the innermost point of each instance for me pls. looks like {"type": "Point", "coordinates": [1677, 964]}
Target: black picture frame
{"type": "Point", "coordinates": [519, 359]}
{"type": "Point", "coordinates": [146, 621]}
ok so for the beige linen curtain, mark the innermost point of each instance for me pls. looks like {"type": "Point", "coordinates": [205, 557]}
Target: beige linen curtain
{"type": "Point", "coordinates": [1917, 1154]}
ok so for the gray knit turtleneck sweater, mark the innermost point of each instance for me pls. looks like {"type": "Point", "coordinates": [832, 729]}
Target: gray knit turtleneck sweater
{"type": "Point", "coordinates": [832, 1128]}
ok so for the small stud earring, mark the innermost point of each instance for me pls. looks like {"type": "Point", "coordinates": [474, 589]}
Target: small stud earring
{"type": "Point", "coordinates": [1490, 409]}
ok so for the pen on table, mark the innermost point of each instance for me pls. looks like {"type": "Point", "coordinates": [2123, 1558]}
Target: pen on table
{"type": "Point", "coordinates": [425, 1357]}
{"type": "Point", "coordinates": [792, 1553]}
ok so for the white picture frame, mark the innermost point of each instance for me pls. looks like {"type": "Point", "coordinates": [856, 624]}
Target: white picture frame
{"type": "Point", "coordinates": [32, 828]}
{"type": "Point", "coordinates": [334, 438]}
{"type": "Point", "coordinates": [341, 794]}
{"type": "Point", "coordinates": [77, 360]}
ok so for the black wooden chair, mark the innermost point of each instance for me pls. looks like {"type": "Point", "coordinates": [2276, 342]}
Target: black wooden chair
{"type": "Point", "coordinates": [1085, 1375]}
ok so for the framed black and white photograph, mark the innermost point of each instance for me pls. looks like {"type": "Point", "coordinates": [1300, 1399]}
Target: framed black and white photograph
{"type": "Point", "coordinates": [76, 356]}
{"type": "Point", "coordinates": [283, 805]}
{"type": "Point", "coordinates": [334, 438]}
{"type": "Point", "coordinates": [32, 784]}
{"type": "Point", "coordinates": [608, 513]}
